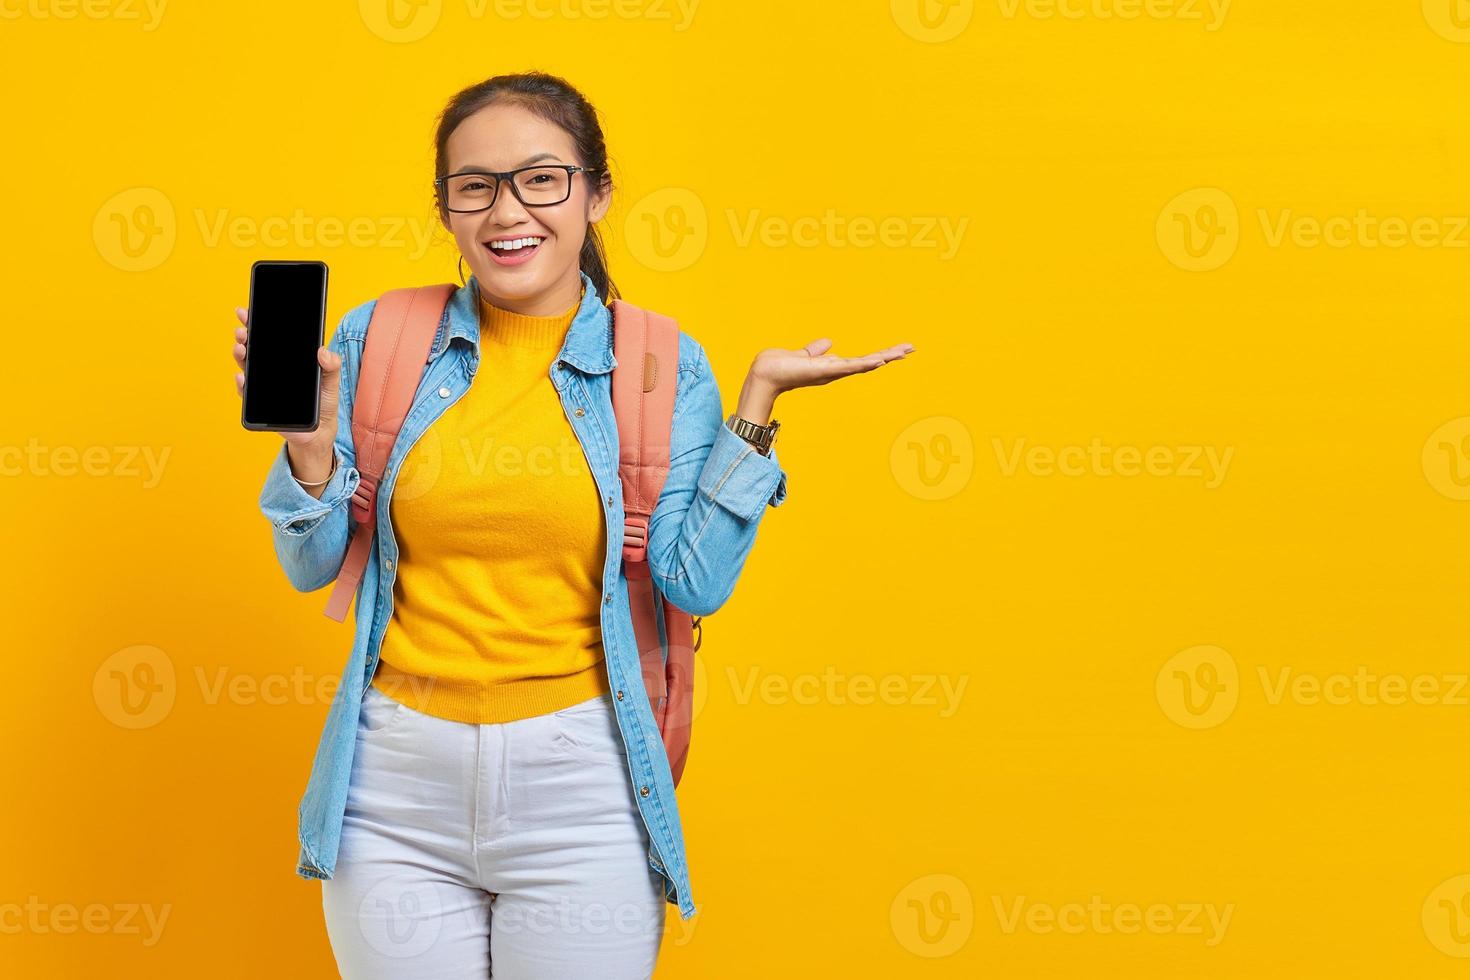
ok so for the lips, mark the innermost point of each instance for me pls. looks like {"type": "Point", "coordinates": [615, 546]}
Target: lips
{"type": "Point", "coordinates": [519, 256]}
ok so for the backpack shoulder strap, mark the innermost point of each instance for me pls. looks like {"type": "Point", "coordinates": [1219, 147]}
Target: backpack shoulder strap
{"type": "Point", "coordinates": [646, 348]}
{"type": "Point", "coordinates": [644, 383]}
{"type": "Point", "coordinates": [393, 357]}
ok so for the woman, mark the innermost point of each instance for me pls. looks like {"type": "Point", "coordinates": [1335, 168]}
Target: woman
{"type": "Point", "coordinates": [490, 786]}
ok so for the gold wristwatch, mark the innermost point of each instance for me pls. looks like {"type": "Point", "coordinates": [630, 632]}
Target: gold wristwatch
{"type": "Point", "coordinates": [762, 437]}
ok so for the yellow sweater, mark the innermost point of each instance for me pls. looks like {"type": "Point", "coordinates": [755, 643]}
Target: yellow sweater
{"type": "Point", "coordinates": [497, 602]}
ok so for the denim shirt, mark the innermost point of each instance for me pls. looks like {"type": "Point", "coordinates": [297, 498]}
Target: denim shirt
{"type": "Point", "coordinates": [700, 533]}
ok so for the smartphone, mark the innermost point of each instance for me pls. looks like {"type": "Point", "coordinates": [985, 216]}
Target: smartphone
{"type": "Point", "coordinates": [286, 321]}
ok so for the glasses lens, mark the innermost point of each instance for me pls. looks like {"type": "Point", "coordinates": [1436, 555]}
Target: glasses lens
{"type": "Point", "coordinates": [469, 192]}
{"type": "Point", "coordinates": [543, 185]}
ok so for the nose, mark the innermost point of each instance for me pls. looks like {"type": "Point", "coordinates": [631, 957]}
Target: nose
{"type": "Point", "coordinates": [503, 213]}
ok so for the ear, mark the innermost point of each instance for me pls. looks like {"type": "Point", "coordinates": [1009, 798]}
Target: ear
{"type": "Point", "coordinates": [443, 216]}
{"type": "Point", "coordinates": [599, 204]}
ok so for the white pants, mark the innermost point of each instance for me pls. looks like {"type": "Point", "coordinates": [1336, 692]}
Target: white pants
{"type": "Point", "coordinates": [515, 847]}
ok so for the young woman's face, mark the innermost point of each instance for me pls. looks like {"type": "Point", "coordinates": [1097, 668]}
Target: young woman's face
{"type": "Point", "coordinates": [506, 137]}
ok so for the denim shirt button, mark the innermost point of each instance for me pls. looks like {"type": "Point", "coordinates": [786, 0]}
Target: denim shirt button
{"type": "Point", "coordinates": [620, 695]}
{"type": "Point", "coordinates": [388, 564]}
{"type": "Point", "coordinates": [643, 791]}
{"type": "Point", "coordinates": [607, 599]}
{"type": "Point", "coordinates": [579, 413]}
{"type": "Point", "coordinates": [444, 392]}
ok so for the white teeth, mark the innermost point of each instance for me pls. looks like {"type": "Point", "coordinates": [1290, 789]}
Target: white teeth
{"type": "Point", "coordinates": [512, 244]}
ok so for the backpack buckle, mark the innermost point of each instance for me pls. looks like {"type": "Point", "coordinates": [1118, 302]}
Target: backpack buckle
{"type": "Point", "coordinates": [635, 537]}
{"type": "Point", "coordinates": [362, 499]}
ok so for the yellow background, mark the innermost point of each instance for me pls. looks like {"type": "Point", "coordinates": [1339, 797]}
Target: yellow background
{"type": "Point", "coordinates": [1081, 609]}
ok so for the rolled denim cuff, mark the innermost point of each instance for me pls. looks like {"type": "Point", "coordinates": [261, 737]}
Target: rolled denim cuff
{"type": "Point", "coordinates": [288, 506]}
{"type": "Point", "coordinates": [739, 478]}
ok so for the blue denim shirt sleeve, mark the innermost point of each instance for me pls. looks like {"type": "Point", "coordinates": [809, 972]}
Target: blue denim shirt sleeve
{"type": "Point", "coordinates": [311, 535]}
{"type": "Point", "coordinates": [716, 492]}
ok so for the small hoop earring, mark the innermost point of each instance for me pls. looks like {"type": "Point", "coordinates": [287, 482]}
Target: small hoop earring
{"type": "Point", "coordinates": [459, 264]}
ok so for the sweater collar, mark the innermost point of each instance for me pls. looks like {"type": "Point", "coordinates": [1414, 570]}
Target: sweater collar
{"type": "Point", "coordinates": [587, 347]}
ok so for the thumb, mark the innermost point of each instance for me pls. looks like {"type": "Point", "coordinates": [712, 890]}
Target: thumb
{"type": "Point", "coordinates": [818, 347]}
{"type": "Point", "coordinates": [331, 363]}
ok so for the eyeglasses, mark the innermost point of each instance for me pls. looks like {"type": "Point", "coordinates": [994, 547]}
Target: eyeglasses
{"type": "Point", "coordinates": [535, 187]}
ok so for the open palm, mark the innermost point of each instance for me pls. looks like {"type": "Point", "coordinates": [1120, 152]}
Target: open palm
{"type": "Point", "coordinates": [782, 370]}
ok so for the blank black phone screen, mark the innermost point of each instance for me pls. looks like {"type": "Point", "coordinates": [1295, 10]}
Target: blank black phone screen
{"type": "Point", "coordinates": [287, 317]}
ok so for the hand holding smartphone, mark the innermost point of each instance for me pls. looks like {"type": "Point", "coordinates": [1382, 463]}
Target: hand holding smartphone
{"type": "Point", "coordinates": [288, 382]}
{"type": "Point", "coordinates": [286, 320]}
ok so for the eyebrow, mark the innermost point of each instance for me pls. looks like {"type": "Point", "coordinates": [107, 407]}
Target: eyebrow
{"type": "Point", "coordinates": [472, 168]}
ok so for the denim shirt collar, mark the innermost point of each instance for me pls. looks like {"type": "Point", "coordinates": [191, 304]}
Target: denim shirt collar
{"type": "Point", "coordinates": [587, 347]}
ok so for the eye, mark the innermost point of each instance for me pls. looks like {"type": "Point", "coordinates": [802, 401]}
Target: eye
{"type": "Point", "coordinates": [473, 185]}
{"type": "Point", "coordinates": [541, 177]}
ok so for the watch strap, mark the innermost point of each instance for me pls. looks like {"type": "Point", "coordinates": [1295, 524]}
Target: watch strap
{"type": "Point", "coordinates": [759, 436]}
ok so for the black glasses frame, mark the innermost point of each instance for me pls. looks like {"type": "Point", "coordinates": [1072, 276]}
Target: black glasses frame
{"type": "Point", "coordinates": [441, 185]}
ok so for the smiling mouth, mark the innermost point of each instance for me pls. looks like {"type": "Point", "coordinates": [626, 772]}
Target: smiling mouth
{"type": "Point", "coordinates": [514, 251]}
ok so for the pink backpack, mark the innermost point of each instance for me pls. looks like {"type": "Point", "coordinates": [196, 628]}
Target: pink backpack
{"type": "Point", "coordinates": [646, 347]}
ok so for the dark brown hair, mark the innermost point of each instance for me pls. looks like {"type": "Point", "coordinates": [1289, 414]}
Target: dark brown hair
{"type": "Point", "coordinates": [555, 100]}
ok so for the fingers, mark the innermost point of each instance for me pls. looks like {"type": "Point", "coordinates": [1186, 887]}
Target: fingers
{"type": "Point", "coordinates": [832, 367]}
{"type": "Point", "coordinates": [895, 353]}
{"type": "Point", "coordinates": [862, 365]}
{"type": "Point", "coordinates": [819, 347]}
{"type": "Point", "coordinates": [241, 334]}
{"type": "Point", "coordinates": [879, 358]}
